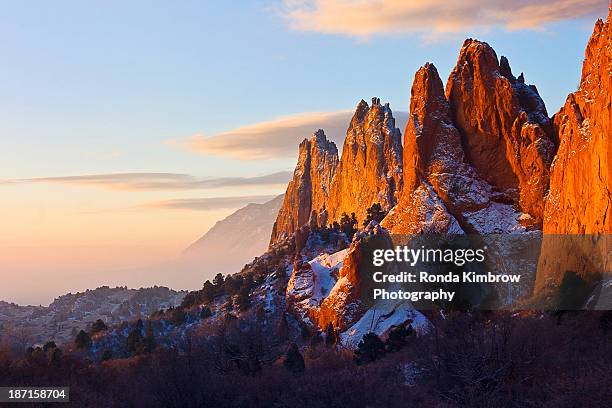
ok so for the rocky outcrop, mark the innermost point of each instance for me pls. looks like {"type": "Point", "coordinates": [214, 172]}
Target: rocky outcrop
{"type": "Point", "coordinates": [307, 192]}
{"type": "Point", "coordinates": [343, 306]}
{"type": "Point", "coordinates": [370, 170]}
{"type": "Point", "coordinates": [505, 129]}
{"type": "Point", "coordinates": [443, 193]}
{"type": "Point", "coordinates": [579, 201]}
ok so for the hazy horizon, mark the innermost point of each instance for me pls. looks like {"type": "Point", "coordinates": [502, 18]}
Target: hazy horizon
{"type": "Point", "coordinates": [130, 129]}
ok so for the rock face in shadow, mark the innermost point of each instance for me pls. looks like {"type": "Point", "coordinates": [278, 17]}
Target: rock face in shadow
{"type": "Point", "coordinates": [307, 192]}
{"type": "Point", "coordinates": [370, 169]}
{"type": "Point", "coordinates": [579, 201]}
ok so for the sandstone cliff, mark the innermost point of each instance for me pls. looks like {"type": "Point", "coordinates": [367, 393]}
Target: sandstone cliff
{"type": "Point", "coordinates": [579, 198]}
{"type": "Point", "coordinates": [579, 201]}
{"type": "Point", "coordinates": [443, 191]}
{"type": "Point", "coordinates": [370, 170]}
{"type": "Point", "coordinates": [343, 306]}
{"type": "Point", "coordinates": [308, 190]}
{"type": "Point", "coordinates": [506, 133]}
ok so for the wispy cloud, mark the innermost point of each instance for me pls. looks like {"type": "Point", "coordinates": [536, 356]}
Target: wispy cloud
{"type": "Point", "coordinates": [275, 139]}
{"type": "Point", "coordinates": [366, 18]}
{"type": "Point", "coordinates": [160, 181]}
{"type": "Point", "coordinates": [208, 204]}
{"type": "Point", "coordinates": [272, 139]}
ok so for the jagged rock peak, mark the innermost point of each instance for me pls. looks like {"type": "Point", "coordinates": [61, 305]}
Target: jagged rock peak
{"type": "Point", "coordinates": [307, 192]}
{"type": "Point", "coordinates": [320, 141]}
{"type": "Point", "coordinates": [429, 111]}
{"type": "Point", "coordinates": [439, 186]}
{"type": "Point", "coordinates": [504, 68]}
{"type": "Point", "coordinates": [370, 170]}
{"type": "Point", "coordinates": [505, 129]}
{"type": "Point", "coordinates": [580, 196]}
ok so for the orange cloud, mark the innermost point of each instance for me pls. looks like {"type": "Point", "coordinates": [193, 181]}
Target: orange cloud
{"type": "Point", "coordinates": [366, 18]}
{"type": "Point", "coordinates": [161, 181]}
{"type": "Point", "coordinates": [277, 138]}
{"type": "Point", "coordinates": [210, 203]}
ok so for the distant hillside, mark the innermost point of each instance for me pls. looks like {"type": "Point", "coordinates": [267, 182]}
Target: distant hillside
{"type": "Point", "coordinates": [236, 240]}
{"type": "Point", "coordinates": [72, 312]}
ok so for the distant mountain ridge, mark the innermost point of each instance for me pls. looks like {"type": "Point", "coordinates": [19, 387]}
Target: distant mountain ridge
{"type": "Point", "coordinates": [235, 240]}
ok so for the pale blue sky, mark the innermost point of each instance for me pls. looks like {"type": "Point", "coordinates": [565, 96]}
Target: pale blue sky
{"type": "Point", "coordinates": [94, 87]}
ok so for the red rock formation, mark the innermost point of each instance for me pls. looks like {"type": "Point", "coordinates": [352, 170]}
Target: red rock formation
{"type": "Point", "coordinates": [579, 198]}
{"type": "Point", "coordinates": [579, 201]}
{"type": "Point", "coordinates": [506, 132]}
{"type": "Point", "coordinates": [308, 190]}
{"type": "Point", "coordinates": [442, 191]}
{"type": "Point", "coordinates": [343, 306]}
{"type": "Point", "coordinates": [370, 170]}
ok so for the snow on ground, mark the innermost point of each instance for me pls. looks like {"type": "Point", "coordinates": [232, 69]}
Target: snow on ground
{"type": "Point", "coordinates": [495, 219]}
{"type": "Point", "coordinates": [380, 318]}
{"type": "Point", "coordinates": [323, 266]}
{"type": "Point", "coordinates": [309, 286]}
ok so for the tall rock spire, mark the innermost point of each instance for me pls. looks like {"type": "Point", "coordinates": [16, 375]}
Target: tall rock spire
{"type": "Point", "coordinates": [370, 170]}
{"type": "Point", "coordinates": [440, 188]}
{"type": "Point", "coordinates": [506, 132]}
{"type": "Point", "coordinates": [580, 196]}
{"type": "Point", "coordinates": [579, 201]}
{"type": "Point", "coordinates": [308, 190]}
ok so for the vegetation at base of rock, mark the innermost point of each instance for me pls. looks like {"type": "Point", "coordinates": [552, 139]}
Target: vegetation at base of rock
{"type": "Point", "coordinates": [82, 340]}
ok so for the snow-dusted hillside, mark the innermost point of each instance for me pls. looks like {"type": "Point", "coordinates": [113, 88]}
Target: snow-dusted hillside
{"type": "Point", "coordinates": [70, 313]}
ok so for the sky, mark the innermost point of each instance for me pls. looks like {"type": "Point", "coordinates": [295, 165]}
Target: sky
{"type": "Point", "coordinates": [128, 128]}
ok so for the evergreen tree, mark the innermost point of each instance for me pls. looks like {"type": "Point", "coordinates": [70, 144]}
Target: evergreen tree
{"type": "Point", "coordinates": [347, 225]}
{"type": "Point", "coordinates": [316, 339]}
{"type": "Point", "coordinates": [248, 281]}
{"type": "Point", "coordinates": [106, 355]}
{"type": "Point", "coordinates": [218, 283]}
{"type": "Point", "coordinates": [294, 361]}
{"type": "Point", "coordinates": [178, 316]}
{"type": "Point", "coordinates": [134, 341]}
{"type": "Point", "coordinates": [398, 337]}
{"type": "Point", "coordinates": [354, 220]}
{"type": "Point", "coordinates": [208, 292]}
{"type": "Point", "coordinates": [243, 300]}
{"type": "Point", "coordinates": [98, 326]}
{"type": "Point", "coordinates": [232, 285]}
{"type": "Point", "coordinates": [369, 349]}
{"type": "Point", "coordinates": [82, 340]}
{"type": "Point", "coordinates": [331, 337]}
{"type": "Point", "coordinates": [54, 355]}
{"type": "Point", "coordinates": [49, 345]}
{"type": "Point", "coordinates": [205, 313]}
{"type": "Point", "coordinates": [374, 213]}
{"type": "Point", "coordinates": [148, 343]}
